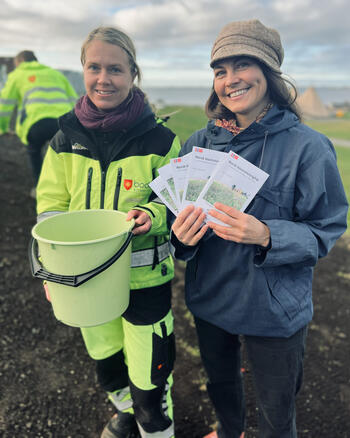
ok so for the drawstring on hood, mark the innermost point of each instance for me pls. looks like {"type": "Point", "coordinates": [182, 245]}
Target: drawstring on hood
{"type": "Point", "coordinates": [263, 149]}
{"type": "Point", "coordinates": [251, 143]}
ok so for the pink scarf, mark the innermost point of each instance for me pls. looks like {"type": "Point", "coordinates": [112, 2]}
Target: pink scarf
{"type": "Point", "coordinates": [231, 125]}
{"type": "Point", "coordinates": [116, 119]}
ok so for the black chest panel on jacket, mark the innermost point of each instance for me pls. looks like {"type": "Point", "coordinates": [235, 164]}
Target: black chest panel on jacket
{"type": "Point", "coordinates": [146, 138]}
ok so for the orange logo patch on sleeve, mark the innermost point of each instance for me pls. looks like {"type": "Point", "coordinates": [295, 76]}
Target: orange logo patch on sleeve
{"type": "Point", "coordinates": [32, 78]}
{"type": "Point", "coordinates": [128, 184]}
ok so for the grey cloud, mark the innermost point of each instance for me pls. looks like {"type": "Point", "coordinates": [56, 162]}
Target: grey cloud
{"type": "Point", "coordinates": [312, 22]}
{"type": "Point", "coordinates": [314, 33]}
{"type": "Point", "coordinates": [38, 28]}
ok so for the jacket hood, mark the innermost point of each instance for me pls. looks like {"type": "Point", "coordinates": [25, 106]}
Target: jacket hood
{"type": "Point", "coordinates": [276, 120]}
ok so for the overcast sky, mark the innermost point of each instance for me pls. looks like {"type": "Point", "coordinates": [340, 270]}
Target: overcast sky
{"type": "Point", "coordinates": [173, 38]}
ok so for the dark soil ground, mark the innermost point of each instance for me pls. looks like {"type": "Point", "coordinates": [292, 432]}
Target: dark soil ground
{"type": "Point", "coordinates": [47, 381]}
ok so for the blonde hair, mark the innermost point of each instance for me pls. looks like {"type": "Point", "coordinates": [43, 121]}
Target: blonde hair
{"type": "Point", "coordinates": [111, 35]}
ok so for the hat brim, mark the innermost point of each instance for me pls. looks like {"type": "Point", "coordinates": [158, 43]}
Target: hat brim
{"type": "Point", "coordinates": [239, 50]}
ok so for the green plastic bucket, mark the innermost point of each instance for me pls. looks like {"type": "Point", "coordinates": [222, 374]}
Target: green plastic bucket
{"type": "Point", "coordinates": [85, 259]}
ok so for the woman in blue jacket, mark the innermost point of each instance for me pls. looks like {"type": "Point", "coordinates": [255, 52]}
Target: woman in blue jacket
{"type": "Point", "coordinates": [253, 277]}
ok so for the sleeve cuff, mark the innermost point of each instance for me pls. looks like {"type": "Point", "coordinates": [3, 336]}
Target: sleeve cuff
{"type": "Point", "coordinates": [181, 251]}
{"type": "Point", "coordinates": [261, 252]}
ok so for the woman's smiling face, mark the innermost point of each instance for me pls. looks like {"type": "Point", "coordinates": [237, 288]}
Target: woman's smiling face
{"type": "Point", "coordinates": [241, 87]}
{"type": "Point", "coordinates": [107, 75]}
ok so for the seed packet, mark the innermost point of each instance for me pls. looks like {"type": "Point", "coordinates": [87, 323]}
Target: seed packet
{"type": "Point", "coordinates": [165, 173]}
{"type": "Point", "coordinates": [202, 164]}
{"type": "Point", "coordinates": [158, 185]}
{"type": "Point", "coordinates": [179, 171]}
{"type": "Point", "coordinates": [234, 182]}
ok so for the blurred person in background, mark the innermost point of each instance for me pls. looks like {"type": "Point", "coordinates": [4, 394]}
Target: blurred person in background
{"type": "Point", "coordinates": [40, 94]}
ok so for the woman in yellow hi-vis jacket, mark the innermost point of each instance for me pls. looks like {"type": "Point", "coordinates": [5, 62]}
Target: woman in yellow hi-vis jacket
{"type": "Point", "coordinates": [41, 95]}
{"type": "Point", "coordinates": [107, 151]}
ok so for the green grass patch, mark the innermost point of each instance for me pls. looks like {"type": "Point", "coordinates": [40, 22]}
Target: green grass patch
{"type": "Point", "coordinates": [184, 123]}
{"type": "Point", "coordinates": [189, 119]}
{"type": "Point", "coordinates": [337, 128]}
{"type": "Point", "coordinates": [343, 159]}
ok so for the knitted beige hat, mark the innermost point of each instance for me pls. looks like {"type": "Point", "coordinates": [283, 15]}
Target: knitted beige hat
{"type": "Point", "coordinates": [249, 38]}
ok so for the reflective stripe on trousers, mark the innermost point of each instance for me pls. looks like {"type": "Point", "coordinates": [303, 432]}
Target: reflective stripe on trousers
{"type": "Point", "coordinates": [166, 402]}
{"type": "Point", "coordinates": [167, 433]}
{"type": "Point", "coordinates": [121, 399]}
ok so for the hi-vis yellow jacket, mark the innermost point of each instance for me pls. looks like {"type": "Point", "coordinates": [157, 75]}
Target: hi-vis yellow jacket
{"type": "Point", "coordinates": [89, 169]}
{"type": "Point", "coordinates": [38, 92]}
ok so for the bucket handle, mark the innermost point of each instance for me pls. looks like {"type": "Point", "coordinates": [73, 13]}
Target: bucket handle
{"type": "Point", "coordinates": [38, 270]}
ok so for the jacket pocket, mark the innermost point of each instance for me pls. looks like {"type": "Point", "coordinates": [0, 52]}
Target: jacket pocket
{"type": "Point", "coordinates": [163, 356]}
{"type": "Point", "coordinates": [291, 294]}
{"type": "Point", "coordinates": [271, 203]}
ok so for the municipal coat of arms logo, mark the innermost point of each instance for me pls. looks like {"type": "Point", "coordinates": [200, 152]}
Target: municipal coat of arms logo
{"type": "Point", "coordinates": [128, 184]}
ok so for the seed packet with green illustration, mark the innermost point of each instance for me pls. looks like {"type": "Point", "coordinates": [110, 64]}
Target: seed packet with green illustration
{"type": "Point", "coordinates": [160, 188]}
{"type": "Point", "coordinates": [166, 174]}
{"type": "Point", "coordinates": [202, 164]}
{"type": "Point", "coordinates": [235, 182]}
{"type": "Point", "coordinates": [179, 171]}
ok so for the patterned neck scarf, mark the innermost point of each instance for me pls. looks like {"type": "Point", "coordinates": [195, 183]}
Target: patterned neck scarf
{"type": "Point", "coordinates": [231, 125]}
{"type": "Point", "coordinates": [114, 120]}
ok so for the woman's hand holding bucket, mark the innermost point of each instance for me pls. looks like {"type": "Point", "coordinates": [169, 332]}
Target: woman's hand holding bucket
{"type": "Point", "coordinates": [143, 222]}
{"type": "Point", "coordinates": [46, 287]}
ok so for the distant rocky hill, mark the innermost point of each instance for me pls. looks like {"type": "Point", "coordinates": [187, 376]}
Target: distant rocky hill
{"type": "Point", "coordinates": [76, 79]}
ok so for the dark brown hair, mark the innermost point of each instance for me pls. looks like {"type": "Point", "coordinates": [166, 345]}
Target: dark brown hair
{"type": "Point", "coordinates": [25, 56]}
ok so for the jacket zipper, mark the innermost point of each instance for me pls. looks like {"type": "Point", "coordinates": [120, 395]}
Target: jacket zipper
{"type": "Point", "coordinates": [103, 184]}
{"type": "Point", "coordinates": [155, 254]}
{"type": "Point", "coordinates": [117, 189]}
{"type": "Point", "coordinates": [88, 189]}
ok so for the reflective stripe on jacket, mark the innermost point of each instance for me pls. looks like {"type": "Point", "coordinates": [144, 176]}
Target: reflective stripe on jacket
{"type": "Point", "coordinates": [74, 177]}
{"type": "Point", "coordinates": [38, 92]}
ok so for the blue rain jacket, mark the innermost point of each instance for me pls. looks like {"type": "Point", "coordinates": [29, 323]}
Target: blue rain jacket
{"type": "Point", "coordinates": [243, 288]}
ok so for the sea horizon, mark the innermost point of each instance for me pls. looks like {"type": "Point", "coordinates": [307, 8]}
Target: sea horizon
{"type": "Point", "coordinates": [161, 96]}
{"type": "Point", "coordinates": [197, 96]}
{"type": "Point", "coordinates": [185, 95]}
